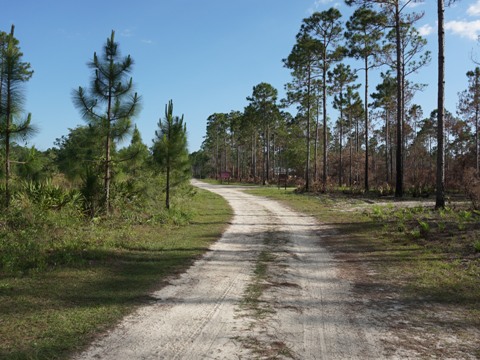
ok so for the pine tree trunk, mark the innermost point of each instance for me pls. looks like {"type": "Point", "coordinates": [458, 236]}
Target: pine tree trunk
{"type": "Point", "coordinates": [107, 171]}
{"type": "Point", "coordinates": [351, 147]}
{"type": "Point", "coordinates": [255, 157]}
{"type": "Point", "coordinates": [274, 157]}
{"type": "Point", "coordinates": [315, 154]}
{"type": "Point", "coordinates": [366, 124]}
{"type": "Point", "coordinates": [167, 195]}
{"type": "Point", "coordinates": [476, 140]}
{"type": "Point", "coordinates": [238, 161]}
{"type": "Point", "coordinates": [8, 115]}
{"type": "Point", "coordinates": [225, 154]}
{"type": "Point", "coordinates": [307, 167]}
{"type": "Point", "coordinates": [477, 114]}
{"type": "Point", "coordinates": [440, 194]}
{"type": "Point", "coordinates": [217, 158]}
{"type": "Point", "coordinates": [387, 144]}
{"type": "Point", "coordinates": [340, 170]}
{"type": "Point", "coordinates": [8, 118]}
{"type": "Point", "coordinates": [264, 157]}
{"type": "Point", "coordinates": [325, 130]}
{"type": "Point", "coordinates": [399, 154]}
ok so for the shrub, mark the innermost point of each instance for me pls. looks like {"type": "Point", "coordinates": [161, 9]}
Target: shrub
{"type": "Point", "coordinates": [471, 186]}
{"type": "Point", "coordinates": [92, 192]}
{"type": "Point", "coordinates": [476, 245]}
{"type": "Point", "coordinates": [421, 190]}
{"type": "Point", "coordinates": [47, 195]}
{"type": "Point", "coordinates": [385, 189]}
{"type": "Point", "coordinates": [424, 228]}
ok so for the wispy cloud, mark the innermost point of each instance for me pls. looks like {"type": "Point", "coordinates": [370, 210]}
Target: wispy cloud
{"type": "Point", "coordinates": [68, 35]}
{"type": "Point", "coordinates": [425, 30]}
{"type": "Point", "coordinates": [147, 41]}
{"type": "Point", "coordinates": [319, 3]}
{"type": "Point", "coordinates": [414, 4]}
{"type": "Point", "coordinates": [322, 4]}
{"type": "Point", "coordinates": [127, 33]}
{"type": "Point", "coordinates": [467, 29]}
{"type": "Point", "coordinates": [474, 9]}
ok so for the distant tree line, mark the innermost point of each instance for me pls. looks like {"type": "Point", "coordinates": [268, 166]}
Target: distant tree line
{"type": "Point", "coordinates": [382, 139]}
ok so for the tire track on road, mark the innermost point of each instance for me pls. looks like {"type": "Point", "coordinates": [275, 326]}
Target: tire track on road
{"type": "Point", "coordinates": [198, 315]}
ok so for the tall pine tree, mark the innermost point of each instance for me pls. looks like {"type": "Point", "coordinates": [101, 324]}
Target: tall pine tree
{"type": "Point", "coordinates": [13, 74]}
{"type": "Point", "coordinates": [170, 150]}
{"type": "Point", "coordinates": [110, 104]}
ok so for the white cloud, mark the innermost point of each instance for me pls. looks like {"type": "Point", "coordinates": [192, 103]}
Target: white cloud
{"type": "Point", "coordinates": [320, 4]}
{"type": "Point", "coordinates": [425, 30]}
{"type": "Point", "coordinates": [146, 41]}
{"type": "Point", "coordinates": [127, 33]}
{"type": "Point", "coordinates": [414, 4]}
{"type": "Point", "coordinates": [467, 29]}
{"type": "Point", "coordinates": [474, 10]}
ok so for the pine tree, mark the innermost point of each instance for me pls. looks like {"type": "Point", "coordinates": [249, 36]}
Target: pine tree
{"type": "Point", "coordinates": [341, 84]}
{"type": "Point", "coordinates": [111, 104]}
{"type": "Point", "coordinates": [326, 27]}
{"type": "Point", "coordinates": [469, 107]}
{"type": "Point", "coordinates": [263, 104]}
{"type": "Point", "coordinates": [394, 11]}
{"type": "Point", "coordinates": [385, 98]}
{"type": "Point", "coordinates": [365, 29]}
{"type": "Point", "coordinates": [303, 63]}
{"type": "Point", "coordinates": [13, 74]}
{"type": "Point", "coordinates": [440, 182]}
{"type": "Point", "coordinates": [170, 150]}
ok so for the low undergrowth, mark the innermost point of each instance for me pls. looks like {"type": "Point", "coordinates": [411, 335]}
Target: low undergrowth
{"type": "Point", "coordinates": [64, 278]}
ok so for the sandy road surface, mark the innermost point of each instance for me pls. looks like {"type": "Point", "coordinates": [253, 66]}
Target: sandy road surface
{"type": "Point", "coordinates": [303, 310]}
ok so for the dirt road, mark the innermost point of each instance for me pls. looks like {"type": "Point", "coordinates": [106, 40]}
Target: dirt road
{"type": "Point", "coordinates": [267, 289]}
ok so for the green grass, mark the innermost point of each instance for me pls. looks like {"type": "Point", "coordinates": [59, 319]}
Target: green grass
{"type": "Point", "coordinates": [49, 313]}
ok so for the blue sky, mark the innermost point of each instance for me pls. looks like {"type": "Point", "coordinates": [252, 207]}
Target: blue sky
{"type": "Point", "coordinates": [205, 55]}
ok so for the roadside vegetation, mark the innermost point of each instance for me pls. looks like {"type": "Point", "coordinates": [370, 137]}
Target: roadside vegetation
{"type": "Point", "coordinates": [66, 279]}
{"type": "Point", "coordinates": [419, 266]}
{"type": "Point", "coordinates": [88, 229]}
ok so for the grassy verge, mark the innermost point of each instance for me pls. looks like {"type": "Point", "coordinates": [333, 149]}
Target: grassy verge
{"type": "Point", "coordinates": [420, 268]}
{"type": "Point", "coordinates": [262, 343]}
{"type": "Point", "coordinates": [52, 312]}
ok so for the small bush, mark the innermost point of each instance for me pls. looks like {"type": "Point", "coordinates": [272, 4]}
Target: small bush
{"type": "Point", "coordinates": [92, 192]}
{"type": "Point", "coordinates": [172, 217]}
{"type": "Point", "coordinates": [424, 228]}
{"type": "Point", "coordinates": [354, 190]}
{"type": "Point", "coordinates": [385, 190]}
{"type": "Point", "coordinates": [476, 245]}
{"type": "Point", "coordinates": [471, 186]}
{"type": "Point", "coordinates": [421, 191]}
{"type": "Point", "coordinates": [47, 195]}
{"type": "Point", "coordinates": [378, 212]}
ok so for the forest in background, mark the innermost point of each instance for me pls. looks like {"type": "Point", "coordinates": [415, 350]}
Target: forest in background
{"type": "Point", "coordinates": [382, 140]}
